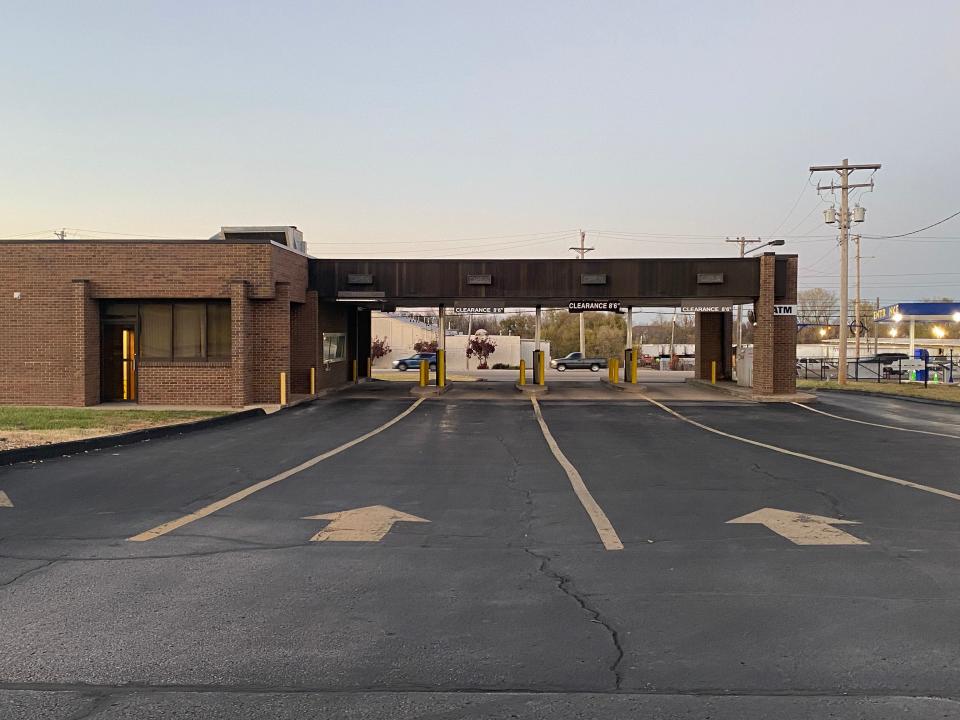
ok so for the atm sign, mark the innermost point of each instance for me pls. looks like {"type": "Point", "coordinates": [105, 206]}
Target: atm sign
{"type": "Point", "coordinates": [784, 310]}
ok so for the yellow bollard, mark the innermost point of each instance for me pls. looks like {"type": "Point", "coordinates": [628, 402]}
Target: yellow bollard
{"type": "Point", "coordinates": [713, 372]}
{"type": "Point", "coordinates": [542, 362]}
{"type": "Point", "coordinates": [283, 388]}
{"type": "Point", "coordinates": [424, 373]}
{"type": "Point", "coordinates": [441, 368]}
{"type": "Point", "coordinates": [313, 381]}
{"type": "Point", "coordinates": [523, 373]}
{"type": "Point", "coordinates": [369, 367]}
{"type": "Point", "coordinates": [614, 370]}
{"type": "Point", "coordinates": [633, 366]}
{"type": "Point", "coordinates": [355, 378]}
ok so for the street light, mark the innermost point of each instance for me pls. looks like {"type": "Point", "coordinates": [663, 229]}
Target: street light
{"type": "Point", "coordinates": [744, 253]}
{"type": "Point", "coordinates": [823, 332]}
{"type": "Point", "coordinates": [939, 331]}
{"type": "Point", "coordinates": [772, 243]}
{"type": "Point", "coordinates": [956, 317]}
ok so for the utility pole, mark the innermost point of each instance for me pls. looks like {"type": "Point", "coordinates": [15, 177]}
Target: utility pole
{"type": "Point", "coordinates": [742, 241]}
{"type": "Point", "coordinates": [844, 170]}
{"type": "Point", "coordinates": [582, 251]}
{"type": "Point", "coordinates": [876, 330]}
{"type": "Point", "coordinates": [856, 306]}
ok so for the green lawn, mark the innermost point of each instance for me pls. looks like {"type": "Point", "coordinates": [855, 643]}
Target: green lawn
{"type": "Point", "coordinates": [47, 418]}
{"type": "Point", "coordinates": [931, 392]}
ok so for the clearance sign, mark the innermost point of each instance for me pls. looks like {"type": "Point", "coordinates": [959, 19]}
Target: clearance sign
{"type": "Point", "coordinates": [579, 306]}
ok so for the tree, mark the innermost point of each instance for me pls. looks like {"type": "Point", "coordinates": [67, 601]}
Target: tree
{"type": "Point", "coordinates": [524, 326]}
{"type": "Point", "coordinates": [605, 333]}
{"type": "Point", "coordinates": [379, 348]}
{"type": "Point", "coordinates": [425, 346]}
{"type": "Point", "coordinates": [817, 306]}
{"type": "Point", "coordinates": [471, 323]}
{"type": "Point", "coordinates": [482, 347]}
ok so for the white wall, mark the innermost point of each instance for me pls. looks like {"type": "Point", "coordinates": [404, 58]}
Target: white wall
{"type": "Point", "coordinates": [400, 335]}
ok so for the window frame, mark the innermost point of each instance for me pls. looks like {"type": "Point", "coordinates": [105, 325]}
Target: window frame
{"type": "Point", "coordinates": [205, 356]}
{"type": "Point", "coordinates": [340, 346]}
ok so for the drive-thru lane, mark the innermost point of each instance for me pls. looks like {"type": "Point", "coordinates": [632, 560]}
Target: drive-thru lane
{"type": "Point", "coordinates": [704, 604]}
{"type": "Point", "coordinates": [505, 601]}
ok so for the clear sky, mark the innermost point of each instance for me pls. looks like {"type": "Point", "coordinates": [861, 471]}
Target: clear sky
{"type": "Point", "coordinates": [412, 128]}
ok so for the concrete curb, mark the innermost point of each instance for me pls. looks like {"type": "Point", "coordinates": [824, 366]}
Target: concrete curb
{"type": "Point", "coordinates": [885, 396]}
{"type": "Point", "coordinates": [746, 394]}
{"type": "Point", "coordinates": [531, 389]}
{"type": "Point", "coordinates": [430, 390]}
{"type": "Point", "coordinates": [625, 387]}
{"type": "Point", "coordinates": [100, 442]}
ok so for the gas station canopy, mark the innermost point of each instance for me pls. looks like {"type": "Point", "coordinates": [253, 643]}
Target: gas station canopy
{"type": "Point", "coordinates": [919, 311]}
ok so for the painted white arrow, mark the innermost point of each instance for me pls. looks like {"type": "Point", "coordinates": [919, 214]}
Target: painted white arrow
{"type": "Point", "coordinates": [800, 528]}
{"type": "Point", "coordinates": [366, 524]}
{"type": "Point", "coordinates": [5, 500]}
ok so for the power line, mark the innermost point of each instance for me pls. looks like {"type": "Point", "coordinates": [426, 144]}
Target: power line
{"type": "Point", "coordinates": [913, 232]}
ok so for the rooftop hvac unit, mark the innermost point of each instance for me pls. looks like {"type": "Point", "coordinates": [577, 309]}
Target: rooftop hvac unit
{"type": "Point", "coordinates": [287, 235]}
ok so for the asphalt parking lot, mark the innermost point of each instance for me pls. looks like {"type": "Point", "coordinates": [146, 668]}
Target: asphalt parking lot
{"type": "Point", "coordinates": [584, 566]}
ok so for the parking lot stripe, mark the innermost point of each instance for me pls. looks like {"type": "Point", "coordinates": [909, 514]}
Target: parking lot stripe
{"type": "Point", "coordinates": [256, 487]}
{"type": "Point", "coordinates": [879, 425]}
{"type": "Point", "coordinates": [608, 536]}
{"type": "Point", "coordinates": [804, 456]}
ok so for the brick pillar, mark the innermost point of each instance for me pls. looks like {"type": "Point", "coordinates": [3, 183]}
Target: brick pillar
{"type": "Point", "coordinates": [775, 337]}
{"type": "Point", "coordinates": [240, 370]}
{"type": "Point", "coordinates": [714, 330]}
{"type": "Point", "coordinates": [280, 335]}
{"type": "Point", "coordinates": [85, 373]}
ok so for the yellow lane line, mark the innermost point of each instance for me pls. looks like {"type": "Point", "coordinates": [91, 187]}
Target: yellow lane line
{"type": "Point", "coordinates": [256, 487]}
{"type": "Point", "coordinates": [804, 456]}
{"type": "Point", "coordinates": [879, 425]}
{"type": "Point", "coordinates": [608, 536]}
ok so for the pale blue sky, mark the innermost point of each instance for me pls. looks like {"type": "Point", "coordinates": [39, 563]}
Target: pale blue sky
{"type": "Point", "coordinates": [387, 128]}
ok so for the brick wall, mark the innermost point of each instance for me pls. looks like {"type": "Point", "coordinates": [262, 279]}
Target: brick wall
{"type": "Point", "coordinates": [184, 383]}
{"type": "Point", "coordinates": [50, 336]}
{"type": "Point", "coordinates": [713, 345]}
{"type": "Point", "coordinates": [303, 342]}
{"type": "Point", "coordinates": [270, 345]}
{"type": "Point", "coordinates": [775, 337]}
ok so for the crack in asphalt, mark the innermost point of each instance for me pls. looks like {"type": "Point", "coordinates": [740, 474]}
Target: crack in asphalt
{"type": "Point", "coordinates": [832, 500]}
{"type": "Point", "coordinates": [526, 515]}
{"type": "Point", "coordinates": [47, 562]}
{"type": "Point", "coordinates": [565, 585]}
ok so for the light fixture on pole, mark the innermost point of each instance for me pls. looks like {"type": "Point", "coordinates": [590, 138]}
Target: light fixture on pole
{"type": "Point", "coordinates": [743, 253]}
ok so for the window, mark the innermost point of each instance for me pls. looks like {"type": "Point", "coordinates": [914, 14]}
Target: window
{"type": "Point", "coordinates": [185, 331]}
{"type": "Point", "coordinates": [156, 330]}
{"type": "Point", "coordinates": [218, 330]}
{"type": "Point", "coordinates": [334, 347]}
{"type": "Point", "coordinates": [189, 331]}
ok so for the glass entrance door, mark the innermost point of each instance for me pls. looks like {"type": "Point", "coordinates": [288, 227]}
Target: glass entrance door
{"type": "Point", "coordinates": [118, 369]}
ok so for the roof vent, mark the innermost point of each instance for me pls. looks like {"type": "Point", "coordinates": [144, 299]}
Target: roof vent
{"type": "Point", "coordinates": [287, 235]}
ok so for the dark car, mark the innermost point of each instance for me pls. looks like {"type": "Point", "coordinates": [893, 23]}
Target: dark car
{"type": "Point", "coordinates": [414, 361]}
{"type": "Point", "coordinates": [577, 361]}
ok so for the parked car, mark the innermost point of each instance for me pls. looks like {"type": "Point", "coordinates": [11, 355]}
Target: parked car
{"type": "Point", "coordinates": [414, 361]}
{"type": "Point", "coordinates": [577, 361]}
